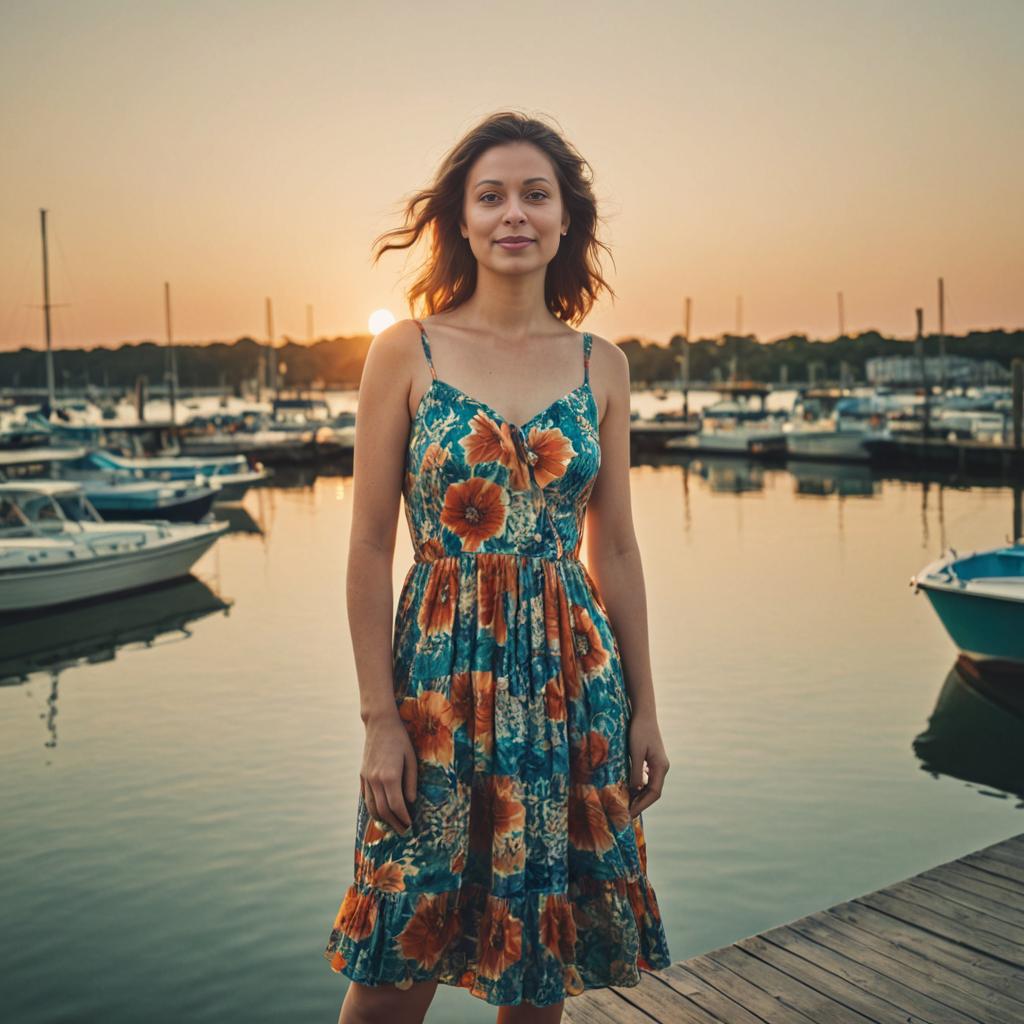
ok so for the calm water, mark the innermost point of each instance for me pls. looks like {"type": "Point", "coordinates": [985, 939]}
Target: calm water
{"type": "Point", "coordinates": [179, 793]}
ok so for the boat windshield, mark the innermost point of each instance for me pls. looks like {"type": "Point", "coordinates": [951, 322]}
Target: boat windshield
{"type": "Point", "coordinates": [37, 513]}
{"type": "Point", "coordinates": [78, 508]}
{"type": "Point", "coordinates": [12, 520]}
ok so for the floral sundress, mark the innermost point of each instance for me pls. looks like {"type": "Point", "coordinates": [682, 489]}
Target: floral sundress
{"type": "Point", "coordinates": [523, 876]}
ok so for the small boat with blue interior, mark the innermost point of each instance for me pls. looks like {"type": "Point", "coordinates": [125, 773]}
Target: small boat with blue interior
{"type": "Point", "coordinates": [232, 472]}
{"type": "Point", "coordinates": [979, 598]}
{"type": "Point", "coordinates": [116, 495]}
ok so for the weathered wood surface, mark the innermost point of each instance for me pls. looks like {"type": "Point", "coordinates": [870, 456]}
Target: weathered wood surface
{"type": "Point", "coordinates": [945, 946]}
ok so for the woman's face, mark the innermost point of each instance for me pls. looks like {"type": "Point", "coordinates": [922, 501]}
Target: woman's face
{"type": "Point", "coordinates": [512, 191]}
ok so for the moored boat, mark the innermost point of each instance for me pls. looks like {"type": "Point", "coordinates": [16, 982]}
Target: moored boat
{"type": "Point", "coordinates": [55, 547]}
{"type": "Point", "coordinates": [979, 598]}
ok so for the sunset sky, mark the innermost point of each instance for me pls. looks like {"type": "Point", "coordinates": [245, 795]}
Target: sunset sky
{"type": "Point", "coordinates": [781, 150]}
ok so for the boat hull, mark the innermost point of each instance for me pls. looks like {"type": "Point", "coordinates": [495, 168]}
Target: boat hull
{"type": "Point", "coordinates": [23, 589]}
{"type": "Point", "coordinates": [114, 507]}
{"type": "Point", "coordinates": [984, 628]}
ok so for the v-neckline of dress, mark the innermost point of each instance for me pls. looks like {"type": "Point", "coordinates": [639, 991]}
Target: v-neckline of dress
{"type": "Point", "coordinates": [521, 427]}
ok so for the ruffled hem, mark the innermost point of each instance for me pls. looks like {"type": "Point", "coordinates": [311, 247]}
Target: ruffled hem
{"type": "Point", "coordinates": [538, 947]}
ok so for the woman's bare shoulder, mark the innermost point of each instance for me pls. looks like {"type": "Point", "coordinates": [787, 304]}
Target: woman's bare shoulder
{"type": "Point", "coordinates": [397, 340]}
{"type": "Point", "coordinates": [608, 359]}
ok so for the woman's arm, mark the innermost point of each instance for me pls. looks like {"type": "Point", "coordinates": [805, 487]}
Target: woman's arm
{"type": "Point", "coordinates": [382, 432]}
{"type": "Point", "coordinates": [613, 559]}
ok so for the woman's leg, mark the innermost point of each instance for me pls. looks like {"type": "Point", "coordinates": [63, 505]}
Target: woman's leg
{"type": "Point", "coordinates": [373, 1004]}
{"type": "Point", "coordinates": [527, 1013]}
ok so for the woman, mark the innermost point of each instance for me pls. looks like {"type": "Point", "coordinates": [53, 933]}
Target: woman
{"type": "Point", "coordinates": [499, 841]}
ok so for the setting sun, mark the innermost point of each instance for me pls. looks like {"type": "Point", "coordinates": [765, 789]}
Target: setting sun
{"type": "Point", "coordinates": [380, 319]}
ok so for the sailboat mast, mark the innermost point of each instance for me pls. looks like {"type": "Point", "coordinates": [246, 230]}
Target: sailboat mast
{"type": "Point", "coordinates": [942, 331]}
{"type": "Point", "coordinates": [172, 366]}
{"type": "Point", "coordinates": [51, 390]}
{"type": "Point", "coordinates": [271, 354]}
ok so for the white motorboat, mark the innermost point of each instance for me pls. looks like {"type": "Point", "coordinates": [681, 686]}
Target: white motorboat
{"type": "Point", "coordinates": [733, 426]}
{"type": "Point", "coordinates": [231, 472]}
{"type": "Point", "coordinates": [55, 547]}
{"type": "Point", "coordinates": [826, 423]}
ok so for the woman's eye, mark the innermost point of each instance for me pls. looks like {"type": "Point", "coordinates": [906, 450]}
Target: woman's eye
{"type": "Point", "coordinates": [534, 192]}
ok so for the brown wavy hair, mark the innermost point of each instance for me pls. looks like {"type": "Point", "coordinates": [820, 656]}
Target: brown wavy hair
{"type": "Point", "coordinates": [447, 277]}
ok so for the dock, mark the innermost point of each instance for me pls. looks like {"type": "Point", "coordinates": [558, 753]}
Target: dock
{"type": "Point", "coordinates": [945, 946]}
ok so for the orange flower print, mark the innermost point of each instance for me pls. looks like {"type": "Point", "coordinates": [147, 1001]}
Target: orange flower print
{"type": "Point", "coordinates": [434, 457]}
{"type": "Point", "coordinates": [552, 450]}
{"type": "Point", "coordinates": [501, 935]}
{"type": "Point", "coordinates": [508, 811]}
{"type": "Point", "coordinates": [588, 823]}
{"type": "Point", "coordinates": [462, 700]}
{"type": "Point", "coordinates": [615, 801]}
{"type": "Point", "coordinates": [483, 710]}
{"type": "Point", "coordinates": [589, 753]}
{"type": "Point", "coordinates": [558, 927]}
{"type": "Point", "coordinates": [374, 833]}
{"type": "Point", "coordinates": [590, 652]}
{"type": "Point", "coordinates": [641, 843]}
{"type": "Point", "coordinates": [357, 914]}
{"type": "Point", "coordinates": [497, 577]}
{"type": "Point", "coordinates": [428, 720]}
{"type": "Point", "coordinates": [567, 645]}
{"type": "Point", "coordinates": [428, 931]}
{"type": "Point", "coordinates": [389, 877]}
{"type": "Point", "coordinates": [554, 700]}
{"type": "Point", "coordinates": [552, 587]}
{"type": "Point", "coordinates": [440, 598]}
{"type": "Point", "coordinates": [636, 902]}
{"type": "Point", "coordinates": [475, 510]}
{"type": "Point", "coordinates": [432, 549]}
{"type": "Point", "coordinates": [488, 441]}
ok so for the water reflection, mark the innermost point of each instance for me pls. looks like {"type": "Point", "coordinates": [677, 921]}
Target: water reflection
{"type": "Point", "coordinates": [844, 480]}
{"type": "Point", "coordinates": [730, 476]}
{"type": "Point", "coordinates": [238, 518]}
{"type": "Point", "coordinates": [976, 732]}
{"type": "Point", "coordinates": [50, 643]}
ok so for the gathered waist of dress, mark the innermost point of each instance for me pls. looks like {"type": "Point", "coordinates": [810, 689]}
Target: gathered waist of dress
{"type": "Point", "coordinates": [428, 558]}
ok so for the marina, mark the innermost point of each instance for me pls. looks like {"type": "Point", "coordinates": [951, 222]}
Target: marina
{"type": "Point", "coordinates": [762, 263]}
{"type": "Point", "coordinates": [197, 738]}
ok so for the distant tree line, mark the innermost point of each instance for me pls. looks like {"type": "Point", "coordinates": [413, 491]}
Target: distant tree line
{"type": "Point", "coordinates": [338, 362]}
{"type": "Point", "coordinates": [798, 359]}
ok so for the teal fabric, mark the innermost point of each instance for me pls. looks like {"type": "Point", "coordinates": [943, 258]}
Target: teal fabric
{"type": "Point", "coordinates": [523, 876]}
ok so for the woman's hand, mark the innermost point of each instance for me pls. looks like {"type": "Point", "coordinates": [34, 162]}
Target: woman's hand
{"type": "Point", "coordinates": [645, 747]}
{"type": "Point", "coordinates": [389, 770]}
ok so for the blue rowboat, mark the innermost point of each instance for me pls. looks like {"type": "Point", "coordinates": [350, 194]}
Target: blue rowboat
{"type": "Point", "coordinates": [979, 598]}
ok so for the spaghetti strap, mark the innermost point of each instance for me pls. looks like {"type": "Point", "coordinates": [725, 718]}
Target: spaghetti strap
{"type": "Point", "coordinates": [426, 348]}
{"type": "Point", "coordinates": [587, 342]}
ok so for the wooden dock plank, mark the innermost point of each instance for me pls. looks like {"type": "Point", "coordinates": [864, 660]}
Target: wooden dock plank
{"type": "Point", "coordinates": [716, 1005]}
{"type": "Point", "coordinates": [970, 900]}
{"type": "Point", "coordinates": [859, 985]}
{"type": "Point", "coordinates": [739, 990]}
{"type": "Point", "coordinates": [945, 946]}
{"type": "Point", "coordinates": [950, 956]}
{"type": "Point", "coordinates": [909, 967]}
{"type": "Point", "coordinates": [958, 928]}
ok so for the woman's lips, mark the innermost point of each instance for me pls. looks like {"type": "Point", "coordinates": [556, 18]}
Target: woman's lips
{"type": "Point", "coordinates": [516, 245]}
